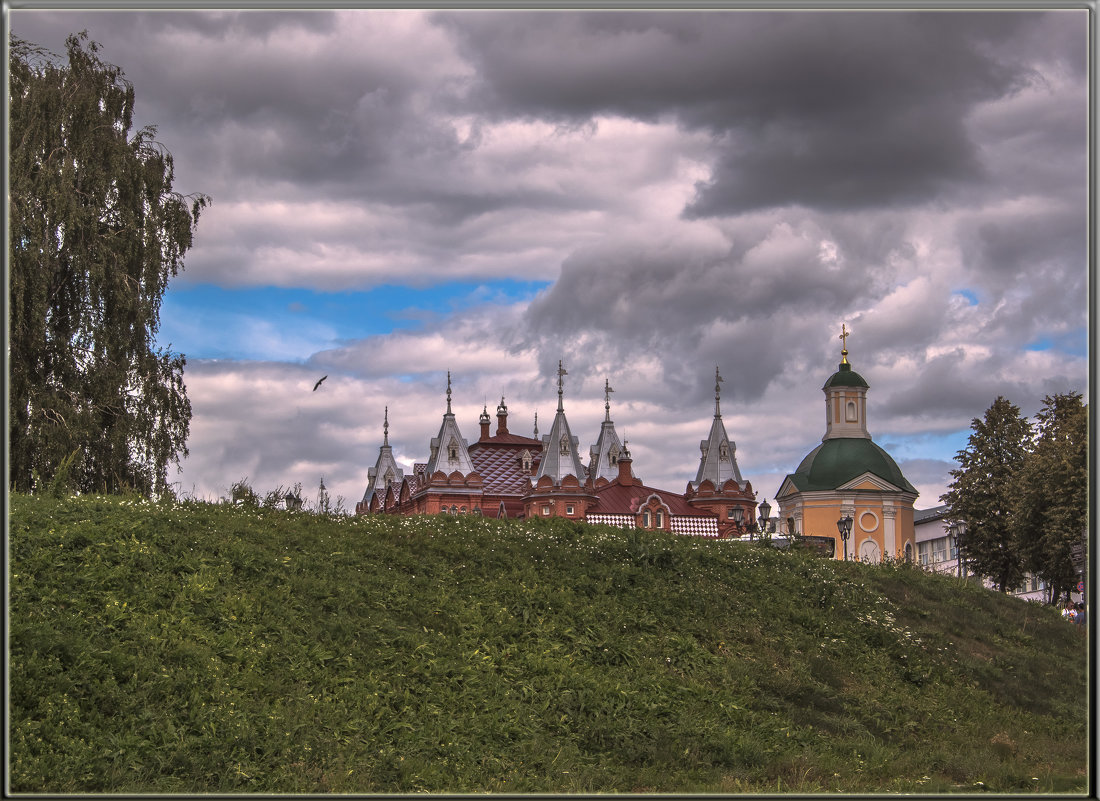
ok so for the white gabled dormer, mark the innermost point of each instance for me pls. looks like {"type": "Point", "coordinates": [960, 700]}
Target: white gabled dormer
{"type": "Point", "coordinates": [449, 449]}
{"type": "Point", "coordinates": [561, 453]}
{"type": "Point", "coordinates": [718, 456]}
{"type": "Point", "coordinates": [385, 472]}
{"type": "Point", "coordinates": [604, 455]}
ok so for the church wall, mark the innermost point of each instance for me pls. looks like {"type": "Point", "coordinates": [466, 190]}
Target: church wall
{"type": "Point", "coordinates": [883, 519]}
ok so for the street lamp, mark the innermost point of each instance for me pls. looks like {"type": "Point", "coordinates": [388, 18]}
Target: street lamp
{"type": "Point", "coordinates": [844, 526]}
{"type": "Point", "coordinates": [765, 516]}
{"type": "Point", "coordinates": [957, 530]}
{"type": "Point", "coordinates": [738, 516]}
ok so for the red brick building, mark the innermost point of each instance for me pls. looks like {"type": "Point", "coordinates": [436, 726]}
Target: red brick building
{"type": "Point", "coordinates": [508, 475]}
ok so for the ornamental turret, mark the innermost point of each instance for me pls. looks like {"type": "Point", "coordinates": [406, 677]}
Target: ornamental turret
{"type": "Point", "coordinates": [385, 474]}
{"type": "Point", "coordinates": [845, 399]}
{"type": "Point", "coordinates": [718, 459]}
{"type": "Point", "coordinates": [449, 450]}
{"type": "Point", "coordinates": [718, 486]}
{"type": "Point", "coordinates": [560, 486]}
{"type": "Point", "coordinates": [560, 451]}
{"type": "Point", "coordinates": [605, 454]}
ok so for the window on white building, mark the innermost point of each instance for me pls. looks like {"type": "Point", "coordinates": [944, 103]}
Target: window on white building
{"type": "Point", "coordinates": [924, 553]}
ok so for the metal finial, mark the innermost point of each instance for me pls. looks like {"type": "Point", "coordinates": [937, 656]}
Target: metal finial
{"type": "Point", "coordinates": [448, 392]}
{"type": "Point", "coordinates": [607, 390]}
{"type": "Point", "coordinates": [717, 392]}
{"type": "Point", "coordinates": [561, 385]}
{"type": "Point", "coordinates": [844, 334]}
{"type": "Point", "coordinates": [536, 423]}
{"type": "Point", "coordinates": [386, 428]}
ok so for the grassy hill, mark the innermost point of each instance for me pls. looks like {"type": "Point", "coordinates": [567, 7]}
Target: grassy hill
{"type": "Point", "coordinates": [183, 648]}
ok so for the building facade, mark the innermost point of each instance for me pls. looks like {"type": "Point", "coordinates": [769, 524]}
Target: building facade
{"type": "Point", "coordinates": [849, 477]}
{"type": "Point", "coordinates": [936, 551]}
{"type": "Point", "coordinates": [506, 475]}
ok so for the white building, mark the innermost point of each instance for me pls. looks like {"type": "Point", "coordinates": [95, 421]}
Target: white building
{"type": "Point", "coordinates": [936, 551]}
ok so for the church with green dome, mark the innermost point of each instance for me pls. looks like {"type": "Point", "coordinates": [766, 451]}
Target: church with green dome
{"type": "Point", "coordinates": [848, 489]}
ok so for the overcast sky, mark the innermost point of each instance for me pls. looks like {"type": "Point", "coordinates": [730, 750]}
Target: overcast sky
{"type": "Point", "coordinates": [643, 195]}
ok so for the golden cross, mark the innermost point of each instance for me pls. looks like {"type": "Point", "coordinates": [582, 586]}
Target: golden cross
{"type": "Point", "coordinates": [844, 334]}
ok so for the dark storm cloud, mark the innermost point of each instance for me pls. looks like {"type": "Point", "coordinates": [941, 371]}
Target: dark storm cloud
{"type": "Point", "coordinates": [826, 110]}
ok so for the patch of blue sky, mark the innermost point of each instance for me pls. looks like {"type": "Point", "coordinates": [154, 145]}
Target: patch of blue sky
{"type": "Point", "coordinates": [942, 447]}
{"type": "Point", "coordinates": [970, 295]}
{"type": "Point", "coordinates": [274, 323]}
{"type": "Point", "coordinates": [1073, 342]}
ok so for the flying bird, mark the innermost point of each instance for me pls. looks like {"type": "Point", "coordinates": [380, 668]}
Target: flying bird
{"type": "Point", "coordinates": [322, 378]}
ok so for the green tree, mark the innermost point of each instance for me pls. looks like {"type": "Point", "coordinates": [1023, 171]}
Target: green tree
{"type": "Point", "coordinates": [982, 494]}
{"type": "Point", "coordinates": [95, 233]}
{"type": "Point", "coordinates": [1051, 492]}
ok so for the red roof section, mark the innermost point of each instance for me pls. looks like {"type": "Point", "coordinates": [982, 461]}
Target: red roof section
{"type": "Point", "coordinates": [497, 460]}
{"type": "Point", "coordinates": [617, 499]}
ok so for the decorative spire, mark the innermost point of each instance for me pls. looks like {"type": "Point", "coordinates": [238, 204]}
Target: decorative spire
{"type": "Point", "coordinates": [607, 390]}
{"type": "Point", "coordinates": [561, 385]}
{"type": "Point", "coordinates": [484, 419]}
{"type": "Point", "coordinates": [844, 334]}
{"type": "Point", "coordinates": [386, 428]}
{"type": "Point", "coordinates": [536, 423]}
{"type": "Point", "coordinates": [448, 392]}
{"type": "Point", "coordinates": [717, 392]}
{"type": "Point", "coordinates": [626, 451]}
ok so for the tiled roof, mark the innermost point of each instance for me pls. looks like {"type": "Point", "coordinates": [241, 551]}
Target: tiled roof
{"type": "Point", "coordinates": [935, 513]}
{"type": "Point", "coordinates": [695, 526]}
{"type": "Point", "coordinates": [617, 499]}
{"type": "Point", "coordinates": [623, 521]}
{"type": "Point", "coordinates": [509, 439]}
{"type": "Point", "coordinates": [499, 464]}
{"type": "Point", "coordinates": [692, 525]}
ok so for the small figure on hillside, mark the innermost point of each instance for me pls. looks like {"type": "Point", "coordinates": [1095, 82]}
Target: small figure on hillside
{"type": "Point", "coordinates": [1079, 618]}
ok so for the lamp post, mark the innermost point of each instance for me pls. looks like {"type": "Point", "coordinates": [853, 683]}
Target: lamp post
{"type": "Point", "coordinates": [765, 516]}
{"type": "Point", "coordinates": [844, 526]}
{"type": "Point", "coordinates": [738, 516]}
{"type": "Point", "coordinates": [957, 530]}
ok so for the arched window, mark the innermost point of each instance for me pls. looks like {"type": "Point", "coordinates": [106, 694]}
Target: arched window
{"type": "Point", "coordinates": [660, 519]}
{"type": "Point", "coordinates": [564, 445]}
{"type": "Point", "coordinates": [452, 451]}
{"type": "Point", "coordinates": [454, 510]}
{"type": "Point", "coordinates": [724, 452]}
{"type": "Point", "coordinates": [645, 518]}
{"type": "Point", "coordinates": [613, 455]}
{"type": "Point", "coordinates": [908, 552]}
{"type": "Point", "coordinates": [463, 510]}
{"type": "Point", "coordinates": [850, 412]}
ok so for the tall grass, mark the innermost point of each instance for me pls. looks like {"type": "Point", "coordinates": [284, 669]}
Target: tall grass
{"type": "Point", "coordinates": [194, 648]}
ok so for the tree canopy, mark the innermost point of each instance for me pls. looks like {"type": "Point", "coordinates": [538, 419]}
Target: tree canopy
{"type": "Point", "coordinates": [981, 496]}
{"type": "Point", "coordinates": [96, 231]}
{"type": "Point", "coordinates": [1051, 492]}
{"type": "Point", "coordinates": [1022, 492]}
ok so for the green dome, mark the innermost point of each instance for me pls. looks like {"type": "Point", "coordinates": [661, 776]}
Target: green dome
{"type": "Point", "coordinates": [846, 377]}
{"type": "Point", "coordinates": [837, 461]}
